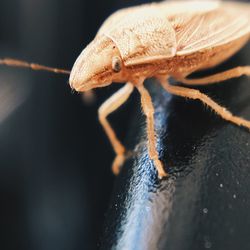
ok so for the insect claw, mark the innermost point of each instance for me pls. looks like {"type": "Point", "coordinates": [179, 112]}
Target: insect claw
{"type": "Point", "coordinates": [159, 166]}
{"type": "Point", "coordinates": [117, 164]}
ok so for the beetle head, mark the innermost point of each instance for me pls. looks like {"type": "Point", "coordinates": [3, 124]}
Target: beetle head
{"type": "Point", "coordinates": [97, 66]}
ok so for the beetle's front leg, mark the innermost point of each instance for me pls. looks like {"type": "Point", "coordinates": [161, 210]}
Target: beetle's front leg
{"type": "Point", "coordinates": [148, 110]}
{"type": "Point", "coordinates": [109, 106]}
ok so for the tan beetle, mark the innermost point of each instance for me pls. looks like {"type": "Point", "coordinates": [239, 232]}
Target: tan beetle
{"type": "Point", "coordinates": [161, 40]}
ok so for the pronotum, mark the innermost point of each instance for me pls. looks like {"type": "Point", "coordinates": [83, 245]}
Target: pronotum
{"type": "Point", "coordinates": [160, 40]}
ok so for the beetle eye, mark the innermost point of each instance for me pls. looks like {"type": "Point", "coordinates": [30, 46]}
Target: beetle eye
{"type": "Point", "coordinates": [116, 64]}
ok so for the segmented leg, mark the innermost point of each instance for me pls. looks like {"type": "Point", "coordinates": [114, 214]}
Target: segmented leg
{"type": "Point", "coordinates": [109, 106]}
{"type": "Point", "coordinates": [195, 94]}
{"type": "Point", "coordinates": [223, 76]}
{"type": "Point", "coordinates": [148, 110]}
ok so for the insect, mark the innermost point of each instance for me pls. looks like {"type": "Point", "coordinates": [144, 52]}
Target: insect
{"type": "Point", "coordinates": [160, 40]}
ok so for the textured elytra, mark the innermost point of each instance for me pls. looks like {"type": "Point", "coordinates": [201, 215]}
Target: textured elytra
{"type": "Point", "coordinates": [144, 36]}
{"type": "Point", "coordinates": [211, 29]}
{"type": "Point", "coordinates": [197, 25]}
{"type": "Point", "coordinates": [166, 8]}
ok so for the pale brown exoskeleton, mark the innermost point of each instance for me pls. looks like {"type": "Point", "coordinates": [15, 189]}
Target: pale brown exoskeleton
{"type": "Point", "coordinates": [161, 40]}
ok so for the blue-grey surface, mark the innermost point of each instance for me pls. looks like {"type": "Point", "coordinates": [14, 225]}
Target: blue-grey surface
{"type": "Point", "coordinates": [205, 202]}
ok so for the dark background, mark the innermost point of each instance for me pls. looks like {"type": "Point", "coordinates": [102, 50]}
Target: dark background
{"type": "Point", "coordinates": [55, 178]}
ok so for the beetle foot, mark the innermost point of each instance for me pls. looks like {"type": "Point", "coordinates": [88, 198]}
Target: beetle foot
{"type": "Point", "coordinates": [117, 163]}
{"type": "Point", "coordinates": [159, 166]}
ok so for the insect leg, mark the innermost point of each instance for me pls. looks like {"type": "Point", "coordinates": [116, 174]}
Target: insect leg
{"type": "Point", "coordinates": [223, 76]}
{"type": "Point", "coordinates": [109, 106]}
{"type": "Point", "coordinates": [148, 110]}
{"type": "Point", "coordinates": [196, 94]}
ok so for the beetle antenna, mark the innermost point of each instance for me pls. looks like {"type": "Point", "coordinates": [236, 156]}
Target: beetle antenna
{"type": "Point", "coordinates": [23, 64]}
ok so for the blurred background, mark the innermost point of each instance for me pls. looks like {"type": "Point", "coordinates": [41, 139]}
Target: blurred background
{"type": "Point", "coordinates": [55, 177]}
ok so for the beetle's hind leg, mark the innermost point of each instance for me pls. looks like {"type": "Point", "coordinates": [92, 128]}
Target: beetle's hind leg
{"type": "Point", "coordinates": [109, 106]}
{"type": "Point", "coordinates": [196, 94]}
{"type": "Point", "coordinates": [148, 110]}
{"type": "Point", "coordinates": [223, 76]}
